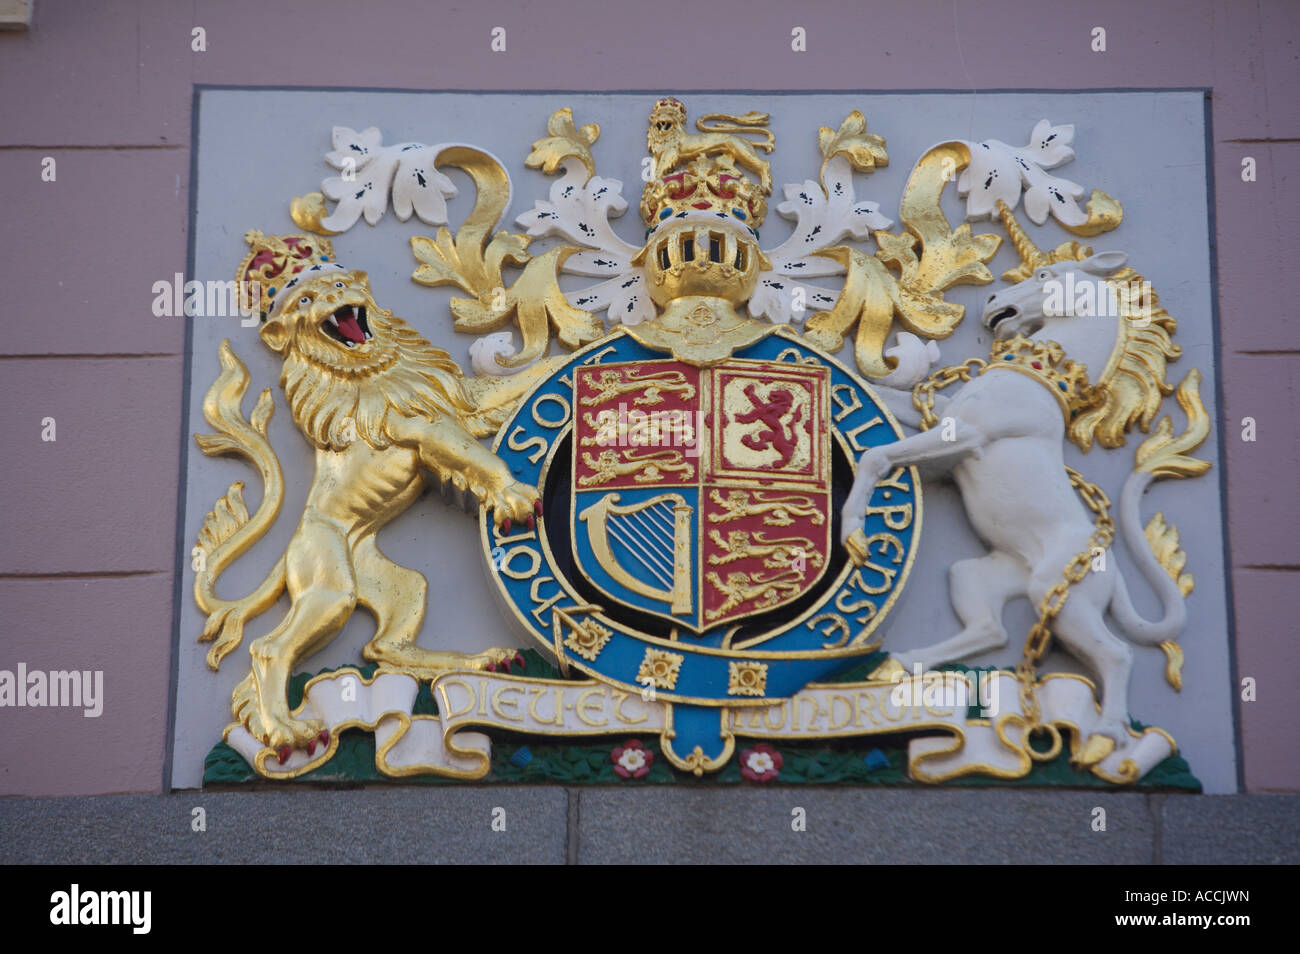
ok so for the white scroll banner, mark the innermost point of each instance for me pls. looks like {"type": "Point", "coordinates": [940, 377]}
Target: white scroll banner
{"type": "Point", "coordinates": [407, 744]}
{"type": "Point", "coordinates": [994, 743]}
{"type": "Point", "coordinates": [998, 746]}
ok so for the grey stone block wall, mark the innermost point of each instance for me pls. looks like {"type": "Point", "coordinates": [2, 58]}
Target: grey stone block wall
{"type": "Point", "coordinates": [534, 825]}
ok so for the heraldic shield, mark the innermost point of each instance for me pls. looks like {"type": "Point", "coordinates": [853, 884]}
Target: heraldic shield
{"type": "Point", "coordinates": [685, 554]}
{"type": "Point", "coordinates": [701, 495]}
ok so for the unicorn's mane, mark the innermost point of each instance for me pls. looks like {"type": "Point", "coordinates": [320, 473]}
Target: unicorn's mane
{"type": "Point", "coordinates": [1131, 387]}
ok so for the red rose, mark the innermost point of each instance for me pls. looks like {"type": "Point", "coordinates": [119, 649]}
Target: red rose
{"type": "Point", "coordinates": [632, 759]}
{"type": "Point", "coordinates": [762, 763]}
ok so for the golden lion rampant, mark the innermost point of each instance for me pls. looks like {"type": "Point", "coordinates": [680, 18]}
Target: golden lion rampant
{"type": "Point", "coordinates": [381, 406]}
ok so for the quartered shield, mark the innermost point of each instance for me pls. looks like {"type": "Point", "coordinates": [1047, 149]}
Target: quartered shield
{"type": "Point", "coordinates": [702, 495]}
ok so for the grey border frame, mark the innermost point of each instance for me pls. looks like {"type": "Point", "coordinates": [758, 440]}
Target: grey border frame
{"type": "Point", "coordinates": [173, 674]}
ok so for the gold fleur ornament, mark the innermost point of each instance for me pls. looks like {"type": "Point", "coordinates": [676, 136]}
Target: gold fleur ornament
{"type": "Point", "coordinates": [747, 679]}
{"type": "Point", "coordinates": [588, 639]}
{"type": "Point", "coordinates": [660, 668]}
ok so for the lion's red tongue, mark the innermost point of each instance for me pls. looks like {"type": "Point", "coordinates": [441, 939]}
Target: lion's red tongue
{"type": "Point", "coordinates": [349, 328]}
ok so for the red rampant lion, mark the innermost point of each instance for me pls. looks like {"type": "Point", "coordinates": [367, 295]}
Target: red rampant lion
{"type": "Point", "coordinates": [776, 434]}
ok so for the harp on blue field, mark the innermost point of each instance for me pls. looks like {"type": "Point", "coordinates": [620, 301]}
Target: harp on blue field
{"type": "Point", "coordinates": [654, 533]}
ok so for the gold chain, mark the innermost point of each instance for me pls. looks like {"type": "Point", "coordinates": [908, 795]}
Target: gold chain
{"type": "Point", "coordinates": [923, 393]}
{"type": "Point", "coordinates": [1040, 634]}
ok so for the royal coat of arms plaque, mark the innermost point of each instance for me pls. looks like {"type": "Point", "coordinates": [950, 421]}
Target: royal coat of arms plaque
{"type": "Point", "coordinates": [831, 439]}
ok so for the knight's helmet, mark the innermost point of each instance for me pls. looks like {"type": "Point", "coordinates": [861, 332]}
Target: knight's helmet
{"type": "Point", "coordinates": [702, 213]}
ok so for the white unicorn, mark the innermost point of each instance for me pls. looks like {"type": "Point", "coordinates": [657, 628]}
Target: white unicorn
{"type": "Point", "coordinates": [1003, 444]}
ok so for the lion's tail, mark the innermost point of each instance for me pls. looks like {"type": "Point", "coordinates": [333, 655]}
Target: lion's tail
{"type": "Point", "coordinates": [750, 124]}
{"type": "Point", "coordinates": [1155, 547]}
{"type": "Point", "coordinates": [228, 531]}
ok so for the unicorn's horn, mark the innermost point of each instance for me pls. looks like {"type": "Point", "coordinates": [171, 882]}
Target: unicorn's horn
{"type": "Point", "coordinates": [1031, 256]}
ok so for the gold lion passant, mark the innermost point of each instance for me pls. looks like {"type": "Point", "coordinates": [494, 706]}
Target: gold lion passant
{"type": "Point", "coordinates": [741, 588]}
{"type": "Point", "coordinates": [382, 407]}
{"type": "Point", "coordinates": [777, 511]}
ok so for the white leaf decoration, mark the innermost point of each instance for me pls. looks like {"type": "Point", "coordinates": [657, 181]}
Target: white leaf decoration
{"type": "Point", "coordinates": [630, 302]}
{"type": "Point", "coordinates": [484, 350]}
{"type": "Point", "coordinates": [999, 171]}
{"type": "Point", "coordinates": [915, 359]}
{"type": "Point", "coordinates": [1051, 143]}
{"type": "Point", "coordinates": [579, 211]}
{"type": "Point", "coordinates": [352, 147]}
{"type": "Point", "coordinates": [990, 176]}
{"type": "Point", "coordinates": [1036, 205]}
{"type": "Point", "coordinates": [626, 298]}
{"type": "Point", "coordinates": [774, 296]}
{"type": "Point", "coordinates": [372, 172]}
{"type": "Point", "coordinates": [412, 190]}
{"type": "Point", "coordinates": [821, 220]}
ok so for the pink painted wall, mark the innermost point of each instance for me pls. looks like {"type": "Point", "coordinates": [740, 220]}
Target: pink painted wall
{"type": "Point", "coordinates": [87, 552]}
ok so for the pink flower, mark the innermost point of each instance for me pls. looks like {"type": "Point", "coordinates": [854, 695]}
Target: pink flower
{"type": "Point", "coordinates": [632, 760]}
{"type": "Point", "coordinates": [762, 763]}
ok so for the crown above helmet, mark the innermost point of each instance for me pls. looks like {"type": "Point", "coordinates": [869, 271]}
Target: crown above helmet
{"type": "Point", "coordinates": [708, 185]}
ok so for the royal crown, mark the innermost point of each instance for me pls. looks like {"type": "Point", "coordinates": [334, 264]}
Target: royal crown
{"type": "Point", "coordinates": [707, 184]}
{"type": "Point", "coordinates": [1045, 362]}
{"type": "Point", "coordinates": [274, 260]}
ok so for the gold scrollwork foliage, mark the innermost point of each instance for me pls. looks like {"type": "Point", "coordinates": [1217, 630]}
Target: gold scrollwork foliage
{"type": "Point", "coordinates": [565, 140]}
{"type": "Point", "coordinates": [863, 150]}
{"type": "Point", "coordinates": [923, 261]}
{"type": "Point", "coordinates": [473, 260]}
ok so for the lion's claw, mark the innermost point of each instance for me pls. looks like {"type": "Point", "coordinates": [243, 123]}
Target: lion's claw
{"type": "Point", "coordinates": [282, 735]}
{"type": "Point", "coordinates": [499, 659]}
{"type": "Point", "coordinates": [311, 748]}
{"type": "Point", "coordinates": [519, 661]}
{"type": "Point", "coordinates": [514, 505]}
